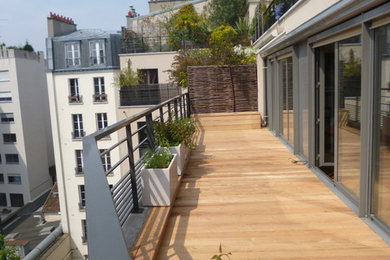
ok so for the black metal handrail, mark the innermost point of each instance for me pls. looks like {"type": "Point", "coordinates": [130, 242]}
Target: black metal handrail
{"type": "Point", "coordinates": [108, 209]}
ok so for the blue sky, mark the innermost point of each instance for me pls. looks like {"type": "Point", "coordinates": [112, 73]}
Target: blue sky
{"type": "Point", "coordinates": [22, 20]}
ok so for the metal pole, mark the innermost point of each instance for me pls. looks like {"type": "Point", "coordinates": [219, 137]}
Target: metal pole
{"type": "Point", "coordinates": [133, 177]}
{"type": "Point", "coordinates": [176, 109]}
{"type": "Point", "coordinates": [161, 115]}
{"type": "Point", "coordinates": [149, 131]}
{"type": "Point", "coordinates": [169, 112]}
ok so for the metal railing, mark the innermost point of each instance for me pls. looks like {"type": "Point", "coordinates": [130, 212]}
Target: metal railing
{"type": "Point", "coordinates": [151, 94]}
{"type": "Point", "coordinates": [108, 209]}
{"type": "Point", "coordinates": [266, 16]}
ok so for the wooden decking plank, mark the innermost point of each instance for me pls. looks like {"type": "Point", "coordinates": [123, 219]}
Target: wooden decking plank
{"type": "Point", "coordinates": [241, 189]}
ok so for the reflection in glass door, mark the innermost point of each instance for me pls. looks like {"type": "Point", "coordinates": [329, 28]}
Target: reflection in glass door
{"type": "Point", "coordinates": [325, 108]}
{"type": "Point", "coordinates": [287, 98]}
{"type": "Point", "coordinates": [349, 106]}
{"type": "Point", "coordinates": [381, 181]}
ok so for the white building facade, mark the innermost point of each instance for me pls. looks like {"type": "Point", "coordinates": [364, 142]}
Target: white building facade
{"type": "Point", "coordinates": [26, 151]}
{"type": "Point", "coordinates": [83, 99]}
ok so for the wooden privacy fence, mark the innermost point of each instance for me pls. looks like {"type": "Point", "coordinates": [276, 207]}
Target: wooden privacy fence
{"type": "Point", "coordinates": [222, 89]}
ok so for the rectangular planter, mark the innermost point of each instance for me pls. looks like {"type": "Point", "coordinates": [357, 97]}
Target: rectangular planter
{"type": "Point", "coordinates": [183, 152]}
{"type": "Point", "coordinates": [159, 185]}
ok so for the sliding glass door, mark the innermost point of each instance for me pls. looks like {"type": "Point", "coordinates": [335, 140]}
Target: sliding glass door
{"type": "Point", "coordinates": [349, 111]}
{"type": "Point", "coordinates": [338, 110]}
{"type": "Point", "coordinates": [381, 151]}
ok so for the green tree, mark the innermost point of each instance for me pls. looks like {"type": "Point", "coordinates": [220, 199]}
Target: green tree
{"type": "Point", "coordinates": [186, 26]}
{"type": "Point", "coordinates": [222, 41]}
{"type": "Point", "coordinates": [28, 47]}
{"type": "Point", "coordinates": [7, 253]}
{"type": "Point", "coordinates": [126, 77]}
{"type": "Point", "coordinates": [226, 12]}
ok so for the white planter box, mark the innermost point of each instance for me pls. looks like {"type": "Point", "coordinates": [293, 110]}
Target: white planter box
{"type": "Point", "coordinates": [159, 185]}
{"type": "Point", "coordinates": [183, 152]}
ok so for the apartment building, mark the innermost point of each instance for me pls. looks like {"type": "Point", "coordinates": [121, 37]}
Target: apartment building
{"type": "Point", "coordinates": [83, 99]}
{"type": "Point", "coordinates": [26, 151]}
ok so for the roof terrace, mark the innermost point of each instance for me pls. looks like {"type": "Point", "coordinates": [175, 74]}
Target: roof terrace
{"type": "Point", "coordinates": [242, 189]}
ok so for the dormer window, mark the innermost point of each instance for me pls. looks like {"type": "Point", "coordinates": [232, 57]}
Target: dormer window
{"type": "Point", "coordinates": [97, 52]}
{"type": "Point", "coordinates": [72, 54]}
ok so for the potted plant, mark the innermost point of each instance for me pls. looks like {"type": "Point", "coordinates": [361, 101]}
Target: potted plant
{"type": "Point", "coordinates": [177, 135]}
{"type": "Point", "coordinates": [159, 178]}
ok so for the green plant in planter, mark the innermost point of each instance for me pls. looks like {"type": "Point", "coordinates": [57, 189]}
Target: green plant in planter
{"type": "Point", "coordinates": [173, 133]}
{"type": "Point", "coordinates": [158, 159]}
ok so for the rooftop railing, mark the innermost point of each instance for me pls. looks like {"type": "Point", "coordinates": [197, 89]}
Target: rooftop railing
{"type": "Point", "coordinates": [151, 94]}
{"type": "Point", "coordinates": [266, 16]}
{"type": "Point", "coordinates": [108, 209]}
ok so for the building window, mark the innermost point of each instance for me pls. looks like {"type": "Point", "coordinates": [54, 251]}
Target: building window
{"type": "Point", "coordinates": [3, 200]}
{"type": "Point", "coordinates": [82, 196]}
{"type": "Point", "coordinates": [5, 96]}
{"type": "Point", "coordinates": [148, 76]}
{"type": "Point", "coordinates": [74, 91]}
{"type": "Point", "coordinates": [14, 179]}
{"type": "Point", "coordinates": [79, 161]}
{"type": "Point", "coordinates": [97, 52]}
{"type": "Point", "coordinates": [16, 199]}
{"type": "Point", "coordinates": [106, 160]}
{"type": "Point", "coordinates": [78, 131]}
{"type": "Point", "coordinates": [1, 178]}
{"type": "Point", "coordinates": [12, 158]}
{"type": "Point", "coordinates": [4, 75]}
{"type": "Point", "coordinates": [101, 119]}
{"type": "Point", "coordinates": [0, 159]}
{"type": "Point", "coordinates": [7, 118]}
{"type": "Point", "coordinates": [100, 94]}
{"type": "Point", "coordinates": [72, 54]}
{"type": "Point", "coordinates": [84, 228]}
{"type": "Point", "coordinates": [9, 138]}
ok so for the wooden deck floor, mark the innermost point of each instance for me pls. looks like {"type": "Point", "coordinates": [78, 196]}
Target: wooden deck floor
{"type": "Point", "coordinates": [241, 190]}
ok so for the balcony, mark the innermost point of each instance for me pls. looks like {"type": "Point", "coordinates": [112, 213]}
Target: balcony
{"type": "Point", "coordinates": [151, 94]}
{"type": "Point", "coordinates": [267, 15]}
{"type": "Point", "coordinates": [75, 99]}
{"type": "Point", "coordinates": [242, 189]}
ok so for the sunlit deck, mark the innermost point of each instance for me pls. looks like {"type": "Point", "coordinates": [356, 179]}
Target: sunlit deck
{"type": "Point", "coordinates": [242, 190]}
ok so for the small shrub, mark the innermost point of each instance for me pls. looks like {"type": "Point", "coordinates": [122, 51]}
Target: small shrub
{"type": "Point", "coordinates": [173, 133]}
{"type": "Point", "coordinates": [159, 159]}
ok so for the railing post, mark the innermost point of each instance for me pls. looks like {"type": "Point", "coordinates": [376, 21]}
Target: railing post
{"type": "Point", "coordinates": [133, 178]}
{"type": "Point", "coordinates": [161, 115]}
{"type": "Point", "coordinates": [188, 105]}
{"type": "Point", "coordinates": [181, 107]}
{"type": "Point", "coordinates": [149, 131]}
{"type": "Point", "coordinates": [169, 112]}
{"type": "Point", "coordinates": [176, 109]}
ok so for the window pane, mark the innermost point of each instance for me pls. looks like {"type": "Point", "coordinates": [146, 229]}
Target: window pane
{"type": "Point", "coordinates": [7, 117]}
{"type": "Point", "coordinates": [349, 92]}
{"type": "Point", "coordinates": [9, 138]}
{"type": "Point", "coordinates": [16, 200]}
{"type": "Point", "coordinates": [1, 178]}
{"type": "Point", "coordinates": [14, 179]}
{"type": "Point", "coordinates": [3, 200]}
{"type": "Point", "coordinates": [11, 158]}
{"type": "Point", "coordinates": [381, 181]}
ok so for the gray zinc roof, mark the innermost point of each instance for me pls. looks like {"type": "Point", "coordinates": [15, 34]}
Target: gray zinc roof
{"type": "Point", "coordinates": [84, 34]}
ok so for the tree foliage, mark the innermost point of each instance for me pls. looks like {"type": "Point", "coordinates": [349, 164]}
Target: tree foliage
{"type": "Point", "coordinates": [226, 12]}
{"type": "Point", "coordinates": [222, 41]}
{"type": "Point", "coordinates": [186, 27]}
{"type": "Point", "coordinates": [7, 253]}
{"type": "Point", "coordinates": [126, 77]}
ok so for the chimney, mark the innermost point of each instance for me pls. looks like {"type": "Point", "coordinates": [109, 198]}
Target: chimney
{"type": "Point", "coordinates": [58, 25]}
